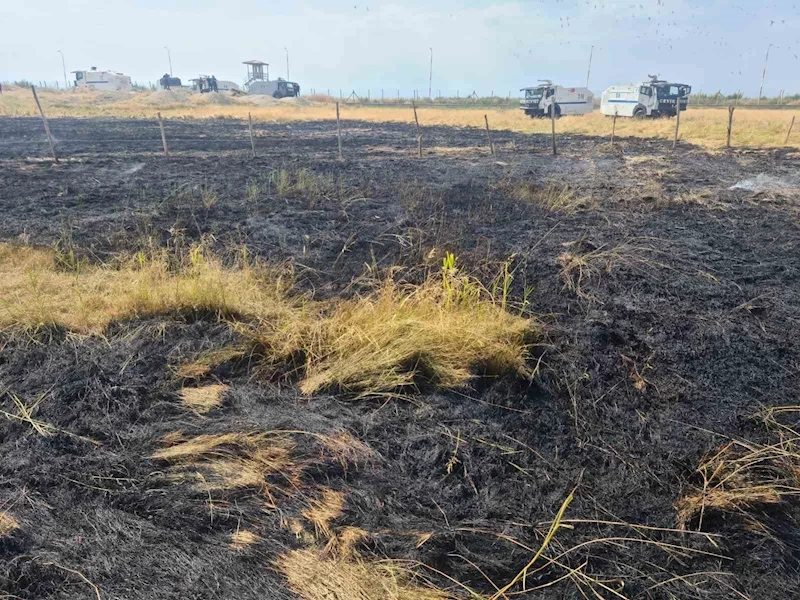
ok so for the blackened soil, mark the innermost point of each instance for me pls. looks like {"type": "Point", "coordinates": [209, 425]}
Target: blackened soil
{"type": "Point", "coordinates": [666, 353]}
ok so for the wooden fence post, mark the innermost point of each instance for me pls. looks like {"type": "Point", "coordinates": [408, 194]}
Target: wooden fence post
{"type": "Point", "coordinates": [489, 134]}
{"type": "Point", "coordinates": [731, 110]}
{"type": "Point", "coordinates": [252, 142]}
{"type": "Point", "coordinates": [339, 131]}
{"type": "Point", "coordinates": [677, 122]}
{"type": "Point", "coordinates": [614, 128]}
{"type": "Point", "coordinates": [419, 133]}
{"type": "Point", "coordinates": [553, 124]}
{"type": "Point", "coordinates": [163, 135]}
{"type": "Point", "coordinates": [46, 124]}
{"type": "Point", "coordinates": [791, 126]}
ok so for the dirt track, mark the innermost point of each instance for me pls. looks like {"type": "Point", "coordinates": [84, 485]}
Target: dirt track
{"type": "Point", "coordinates": [667, 353]}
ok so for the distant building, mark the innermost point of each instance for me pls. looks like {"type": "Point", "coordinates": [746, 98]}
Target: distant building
{"type": "Point", "coordinates": [102, 80]}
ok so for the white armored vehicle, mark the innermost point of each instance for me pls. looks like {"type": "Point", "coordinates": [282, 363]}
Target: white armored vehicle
{"type": "Point", "coordinates": [540, 100]}
{"type": "Point", "coordinates": [102, 80]}
{"type": "Point", "coordinates": [654, 98]}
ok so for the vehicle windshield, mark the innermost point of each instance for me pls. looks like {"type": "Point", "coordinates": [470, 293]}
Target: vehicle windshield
{"type": "Point", "coordinates": [534, 93]}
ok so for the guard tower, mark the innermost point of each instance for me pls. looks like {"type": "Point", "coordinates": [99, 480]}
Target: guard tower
{"type": "Point", "coordinates": [255, 71]}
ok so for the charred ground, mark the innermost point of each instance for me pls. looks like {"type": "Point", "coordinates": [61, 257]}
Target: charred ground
{"type": "Point", "coordinates": [669, 302]}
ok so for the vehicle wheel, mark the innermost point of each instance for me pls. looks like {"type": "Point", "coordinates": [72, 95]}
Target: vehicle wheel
{"type": "Point", "coordinates": [550, 112]}
{"type": "Point", "coordinates": [276, 95]}
{"type": "Point", "coordinates": [639, 114]}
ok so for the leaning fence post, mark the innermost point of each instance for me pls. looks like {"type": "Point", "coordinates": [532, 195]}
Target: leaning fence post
{"type": "Point", "coordinates": [677, 122]}
{"type": "Point", "coordinates": [339, 131]}
{"type": "Point", "coordinates": [46, 125]}
{"type": "Point", "coordinates": [553, 124]}
{"type": "Point", "coordinates": [489, 134]}
{"type": "Point", "coordinates": [163, 135]}
{"type": "Point", "coordinates": [731, 110]}
{"type": "Point", "coordinates": [419, 134]}
{"type": "Point", "coordinates": [791, 126]}
{"type": "Point", "coordinates": [250, 125]}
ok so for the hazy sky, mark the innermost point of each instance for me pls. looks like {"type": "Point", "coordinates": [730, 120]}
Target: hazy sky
{"type": "Point", "coordinates": [360, 44]}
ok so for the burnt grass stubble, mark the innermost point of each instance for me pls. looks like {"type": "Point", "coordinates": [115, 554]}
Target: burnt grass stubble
{"type": "Point", "coordinates": [675, 317]}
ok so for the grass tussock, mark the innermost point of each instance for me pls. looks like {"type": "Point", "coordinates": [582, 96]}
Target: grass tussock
{"type": "Point", "coordinates": [399, 337]}
{"type": "Point", "coordinates": [743, 478]}
{"type": "Point", "coordinates": [203, 399]}
{"type": "Point", "coordinates": [8, 524]}
{"type": "Point", "coordinates": [35, 292]}
{"type": "Point", "coordinates": [552, 197]}
{"type": "Point", "coordinates": [313, 576]}
{"type": "Point", "coordinates": [439, 333]}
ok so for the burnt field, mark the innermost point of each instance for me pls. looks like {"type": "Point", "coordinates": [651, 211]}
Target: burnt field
{"type": "Point", "coordinates": [657, 404]}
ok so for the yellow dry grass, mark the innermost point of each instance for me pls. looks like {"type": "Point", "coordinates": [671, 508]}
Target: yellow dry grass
{"type": "Point", "coordinates": [702, 126]}
{"type": "Point", "coordinates": [437, 333]}
{"type": "Point", "coordinates": [7, 524]}
{"type": "Point", "coordinates": [322, 511]}
{"type": "Point", "coordinates": [204, 399]}
{"type": "Point", "coordinates": [242, 539]}
{"type": "Point", "coordinates": [233, 460]}
{"type": "Point", "coordinates": [552, 197]}
{"type": "Point", "coordinates": [400, 337]}
{"type": "Point", "coordinates": [313, 576]}
{"type": "Point", "coordinates": [742, 477]}
{"type": "Point", "coordinates": [34, 292]}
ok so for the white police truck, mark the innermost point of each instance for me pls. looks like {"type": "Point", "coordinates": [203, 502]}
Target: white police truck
{"type": "Point", "coordinates": [539, 101]}
{"type": "Point", "coordinates": [654, 98]}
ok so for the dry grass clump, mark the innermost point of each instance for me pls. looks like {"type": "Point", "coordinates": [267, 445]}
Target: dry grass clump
{"type": "Point", "coordinates": [741, 477]}
{"type": "Point", "coordinates": [233, 460]}
{"type": "Point", "coordinates": [401, 337]}
{"type": "Point", "coordinates": [438, 333]}
{"type": "Point", "coordinates": [8, 524]}
{"type": "Point", "coordinates": [581, 267]}
{"type": "Point", "coordinates": [268, 460]}
{"type": "Point", "coordinates": [552, 197]}
{"type": "Point", "coordinates": [322, 512]}
{"type": "Point", "coordinates": [243, 539]}
{"type": "Point", "coordinates": [204, 399]}
{"type": "Point", "coordinates": [312, 576]}
{"type": "Point", "coordinates": [34, 292]}
{"type": "Point", "coordinates": [202, 365]}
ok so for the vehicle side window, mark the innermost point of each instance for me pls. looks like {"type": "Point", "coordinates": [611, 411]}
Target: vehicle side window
{"type": "Point", "coordinates": [646, 91]}
{"type": "Point", "coordinates": [550, 92]}
{"type": "Point", "coordinates": [78, 76]}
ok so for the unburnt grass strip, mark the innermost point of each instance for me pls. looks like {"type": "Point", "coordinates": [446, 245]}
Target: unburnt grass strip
{"type": "Point", "coordinates": [439, 333]}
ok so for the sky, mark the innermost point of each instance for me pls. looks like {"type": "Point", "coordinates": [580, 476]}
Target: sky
{"type": "Point", "coordinates": [361, 45]}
